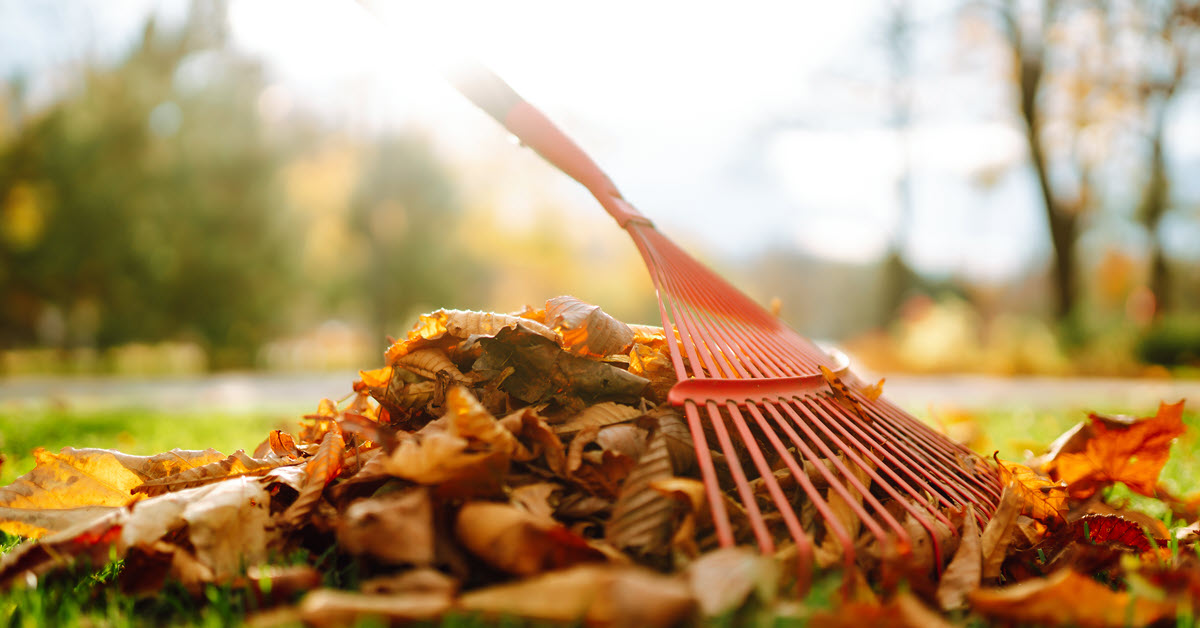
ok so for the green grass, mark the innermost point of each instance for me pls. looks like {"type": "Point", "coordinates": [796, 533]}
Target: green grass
{"type": "Point", "coordinates": [138, 431]}
{"type": "Point", "coordinates": [83, 596]}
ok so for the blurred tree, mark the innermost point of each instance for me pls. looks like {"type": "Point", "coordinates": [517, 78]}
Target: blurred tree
{"type": "Point", "coordinates": [899, 278]}
{"type": "Point", "coordinates": [1028, 36]}
{"type": "Point", "coordinates": [406, 210]}
{"type": "Point", "coordinates": [1171, 35]}
{"type": "Point", "coordinates": [1088, 75]}
{"type": "Point", "coordinates": [141, 206]}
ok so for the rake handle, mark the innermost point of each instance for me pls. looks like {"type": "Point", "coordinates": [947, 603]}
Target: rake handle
{"type": "Point", "coordinates": [490, 93]}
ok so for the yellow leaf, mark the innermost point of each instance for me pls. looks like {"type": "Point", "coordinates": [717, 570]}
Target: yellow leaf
{"type": "Point", "coordinates": [1044, 500]}
{"type": "Point", "coordinates": [73, 480]}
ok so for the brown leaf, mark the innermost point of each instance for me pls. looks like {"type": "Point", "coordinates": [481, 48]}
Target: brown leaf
{"type": "Point", "coordinates": [642, 517]}
{"type": "Point", "coordinates": [965, 570]}
{"type": "Point", "coordinates": [723, 579]}
{"type": "Point", "coordinates": [517, 542]}
{"type": "Point", "coordinates": [236, 464]}
{"type": "Point", "coordinates": [902, 611]}
{"type": "Point", "coordinates": [1001, 531]}
{"type": "Point", "coordinates": [1067, 598]}
{"type": "Point", "coordinates": [74, 480]}
{"type": "Point", "coordinates": [1044, 500]}
{"type": "Point", "coordinates": [535, 499]}
{"type": "Point", "coordinates": [597, 595]}
{"type": "Point", "coordinates": [599, 415]}
{"type": "Point", "coordinates": [831, 550]}
{"type": "Point", "coordinates": [537, 438]}
{"type": "Point", "coordinates": [691, 494]}
{"type": "Point", "coordinates": [462, 324]}
{"type": "Point", "coordinates": [321, 469]}
{"type": "Point", "coordinates": [470, 420]}
{"type": "Point", "coordinates": [329, 607]}
{"type": "Point", "coordinates": [421, 580]}
{"type": "Point", "coordinates": [585, 329]}
{"type": "Point", "coordinates": [394, 528]}
{"type": "Point", "coordinates": [1115, 452]}
{"type": "Point", "coordinates": [543, 372]}
{"type": "Point", "coordinates": [442, 460]}
{"type": "Point", "coordinates": [428, 363]}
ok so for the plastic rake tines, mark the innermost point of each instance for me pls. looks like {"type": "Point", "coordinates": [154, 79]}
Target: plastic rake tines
{"type": "Point", "coordinates": [755, 387]}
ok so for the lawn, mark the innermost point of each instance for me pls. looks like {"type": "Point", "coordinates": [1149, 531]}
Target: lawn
{"type": "Point", "coordinates": [83, 597]}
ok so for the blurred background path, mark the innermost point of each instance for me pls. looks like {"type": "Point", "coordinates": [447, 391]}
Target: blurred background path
{"type": "Point", "coordinates": [282, 392]}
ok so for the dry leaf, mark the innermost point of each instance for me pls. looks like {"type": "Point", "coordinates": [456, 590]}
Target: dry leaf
{"type": "Point", "coordinates": [328, 607]}
{"type": "Point", "coordinates": [462, 324]}
{"type": "Point", "coordinates": [723, 579]}
{"type": "Point", "coordinates": [692, 495]}
{"type": "Point", "coordinates": [395, 528]}
{"type": "Point", "coordinates": [420, 580]}
{"type": "Point", "coordinates": [75, 479]}
{"type": "Point", "coordinates": [1068, 598]}
{"type": "Point", "coordinates": [236, 464]}
{"type": "Point", "coordinates": [902, 611]}
{"type": "Point", "coordinates": [642, 518]}
{"type": "Point", "coordinates": [598, 415]}
{"type": "Point", "coordinates": [517, 542]}
{"type": "Point", "coordinates": [428, 363]}
{"type": "Point", "coordinates": [1134, 453]}
{"type": "Point", "coordinates": [535, 499]}
{"type": "Point", "coordinates": [321, 469]}
{"type": "Point", "coordinates": [831, 551]}
{"type": "Point", "coordinates": [230, 526]}
{"type": "Point", "coordinates": [442, 460]}
{"type": "Point", "coordinates": [1001, 531]}
{"type": "Point", "coordinates": [585, 329]}
{"type": "Point", "coordinates": [1044, 500]}
{"type": "Point", "coordinates": [965, 570]}
{"type": "Point", "coordinates": [597, 595]}
{"type": "Point", "coordinates": [541, 371]}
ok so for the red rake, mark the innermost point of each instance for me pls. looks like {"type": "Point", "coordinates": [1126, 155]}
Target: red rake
{"type": "Point", "coordinates": [751, 382]}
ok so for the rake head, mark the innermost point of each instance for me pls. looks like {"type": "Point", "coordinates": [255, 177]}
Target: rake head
{"type": "Point", "coordinates": [777, 405]}
{"type": "Point", "coordinates": [788, 419]}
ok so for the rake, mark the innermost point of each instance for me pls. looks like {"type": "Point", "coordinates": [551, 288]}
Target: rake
{"type": "Point", "coordinates": [773, 401]}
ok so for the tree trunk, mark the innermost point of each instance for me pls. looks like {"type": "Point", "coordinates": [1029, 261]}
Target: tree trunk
{"type": "Point", "coordinates": [1154, 205]}
{"type": "Point", "coordinates": [1063, 223]}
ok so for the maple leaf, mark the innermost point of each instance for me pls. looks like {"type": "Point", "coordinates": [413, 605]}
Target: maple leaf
{"type": "Point", "coordinates": [1132, 453]}
{"type": "Point", "coordinates": [1044, 500]}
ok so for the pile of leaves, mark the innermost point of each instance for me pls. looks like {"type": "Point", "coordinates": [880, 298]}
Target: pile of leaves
{"type": "Point", "coordinates": [528, 465]}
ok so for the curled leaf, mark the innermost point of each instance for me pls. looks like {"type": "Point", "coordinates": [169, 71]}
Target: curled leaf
{"type": "Point", "coordinates": [585, 329]}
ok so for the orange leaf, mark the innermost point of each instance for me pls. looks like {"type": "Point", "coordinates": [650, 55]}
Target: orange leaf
{"type": "Point", "coordinates": [1133, 453]}
{"type": "Point", "coordinates": [517, 542]}
{"type": "Point", "coordinates": [1067, 598]}
{"type": "Point", "coordinates": [1043, 500]}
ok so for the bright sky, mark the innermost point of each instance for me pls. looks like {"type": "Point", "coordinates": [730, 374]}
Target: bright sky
{"type": "Point", "coordinates": [736, 129]}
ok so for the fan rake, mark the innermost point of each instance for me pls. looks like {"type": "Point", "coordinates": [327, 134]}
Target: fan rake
{"type": "Point", "coordinates": [781, 410]}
